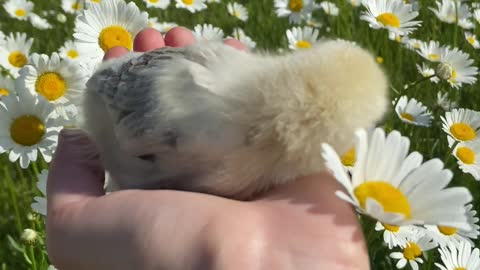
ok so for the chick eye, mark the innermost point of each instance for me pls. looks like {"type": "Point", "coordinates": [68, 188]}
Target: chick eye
{"type": "Point", "coordinates": [147, 157]}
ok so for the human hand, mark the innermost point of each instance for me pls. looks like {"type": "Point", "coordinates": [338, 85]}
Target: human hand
{"type": "Point", "coordinates": [301, 225]}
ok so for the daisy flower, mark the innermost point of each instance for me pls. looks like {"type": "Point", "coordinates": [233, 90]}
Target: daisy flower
{"type": "Point", "coordinates": [18, 9]}
{"type": "Point", "coordinates": [467, 154]}
{"type": "Point", "coordinates": [237, 10]}
{"type": "Point", "coordinates": [466, 24]}
{"type": "Point", "coordinates": [208, 32]}
{"type": "Point", "coordinates": [27, 127]}
{"type": "Point", "coordinates": [446, 11]}
{"type": "Point", "coordinates": [72, 6]}
{"type": "Point", "coordinates": [162, 27]}
{"type": "Point", "coordinates": [59, 81]}
{"type": "Point", "coordinates": [348, 158]}
{"type": "Point", "coordinates": [413, 112]}
{"type": "Point", "coordinates": [411, 43]}
{"type": "Point", "coordinates": [40, 204]}
{"type": "Point", "coordinates": [459, 257]}
{"type": "Point", "coordinates": [476, 15]}
{"type": "Point", "coordinates": [302, 38]}
{"type": "Point", "coordinates": [396, 236]}
{"type": "Point", "coordinates": [355, 3]}
{"type": "Point", "coordinates": [162, 4]}
{"type": "Point", "coordinates": [444, 102]}
{"type": "Point", "coordinates": [103, 26]}
{"type": "Point", "coordinates": [431, 50]}
{"type": "Point", "coordinates": [39, 22]}
{"type": "Point", "coordinates": [413, 252]}
{"type": "Point", "coordinates": [191, 5]}
{"type": "Point", "coordinates": [462, 70]}
{"type": "Point", "coordinates": [427, 71]}
{"type": "Point", "coordinates": [393, 15]}
{"type": "Point", "coordinates": [239, 34]}
{"type": "Point", "coordinates": [329, 8]}
{"type": "Point", "coordinates": [7, 87]}
{"type": "Point", "coordinates": [14, 55]}
{"type": "Point", "coordinates": [444, 234]}
{"type": "Point", "coordinates": [461, 124]}
{"type": "Point", "coordinates": [69, 50]}
{"type": "Point", "coordinates": [295, 10]}
{"type": "Point", "coordinates": [472, 39]}
{"type": "Point", "coordinates": [397, 189]}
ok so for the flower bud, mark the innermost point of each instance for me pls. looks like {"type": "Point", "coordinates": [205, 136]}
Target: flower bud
{"type": "Point", "coordinates": [444, 71]}
{"type": "Point", "coordinates": [29, 236]}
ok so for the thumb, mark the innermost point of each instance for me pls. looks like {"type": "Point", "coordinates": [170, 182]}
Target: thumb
{"type": "Point", "coordinates": [76, 172]}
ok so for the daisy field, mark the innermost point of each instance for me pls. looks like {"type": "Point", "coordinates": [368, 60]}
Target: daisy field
{"type": "Point", "coordinates": [418, 204]}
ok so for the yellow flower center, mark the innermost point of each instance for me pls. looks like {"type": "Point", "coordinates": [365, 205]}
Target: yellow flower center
{"type": "Point", "coordinates": [295, 5]}
{"type": "Point", "coordinates": [188, 2]}
{"type": "Point", "coordinates": [463, 132]}
{"type": "Point", "coordinates": [20, 12]}
{"type": "Point", "coordinates": [466, 155]}
{"type": "Point", "coordinates": [390, 197]}
{"type": "Point", "coordinates": [453, 77]}
{"type": "Point", "coordinates": [96, 1]}
{"type": "Point", "coordinates": [407, 116]}
{"type": "Point", "coordinates": [471, 40]}
{"type": "Point", "coordinates": [72, 54]}
{"type": "Point", "coordinates": [460, 268]}
{"type": "Point", "coordinates": [433, 56]}
{"type": "Point", "coordinates": [51, 85]}
{"type": "Point", "coordinates": [412, 251]}
{"type": "Point", "coordinates": [416, 45]}
{"type": "Point", "coordinates": [17, 59]}
{"type": "Point", "coordinates": [76, 6]}
{"type": "Point", "coordinates": [447, 230]}
{"type": "Point", "coordinates": [113, 36]}
{"type": "Point", "coordinates": [388, 19]}
{"type": "Point", "coordinates": [303, 44]}
{"type": "Point", "coordinates": [348, 159]}
{"type": "Point", "coordinates": [236, 13]}
{"type": "Point", "coordinates": [4, 92]}
{"type": "Point", "coordinates": [379, 60]}
{"type": "Point", "coordinates": [153, 1]}
{"type": "Point", "coordinates": [391, 228]}
{"type": "Point", "coordinates": [27, 130]}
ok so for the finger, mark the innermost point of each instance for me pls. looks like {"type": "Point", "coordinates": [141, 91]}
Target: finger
{"type": "Point", "coordinates": [76, 172]}
{"type": "Point", "coordinates": [237, 44]}
{"type": "Point", "coordinates": [147, 40]}
{"type": "Point", "coordinates": [179, 37]}
{"type": "Point", "coordinates": [115, 52]}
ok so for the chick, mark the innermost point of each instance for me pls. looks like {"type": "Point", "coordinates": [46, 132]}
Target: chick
{"type": "Point", "coordinates": [213, 119]}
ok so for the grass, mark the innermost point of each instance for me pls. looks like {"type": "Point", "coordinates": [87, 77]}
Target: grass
{"type": "Point", "coordinates": [18, 186]}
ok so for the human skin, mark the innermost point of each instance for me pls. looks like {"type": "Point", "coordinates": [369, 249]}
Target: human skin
{"type": "Point", "coordinates": [300, 225]}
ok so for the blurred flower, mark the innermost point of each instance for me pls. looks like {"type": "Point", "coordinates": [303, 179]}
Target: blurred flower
{"type": "Point", "coordinates": [391, 187]}
{"type": "Point", "coordinates": [103, 26]}
{"type": "Point", "coordinates": [472, 39]}
{"type": "Point", "coordinates": [467, 154]}
{"type": "Point", "coordinates": [40, 204]}
{"type": "Point", "coordinates": [379, 59]}
{"type": "Point", "coordinates": [413, 252]}
{"type": "Point", "coordinates": [29, 236]}
{"type": "Point", "coordinates": [444, 102]}
{"type": "Point", "coordinates": [27, 126]}
{"type": "Point", "coordinates": [396, 236]}
{"type": "Point", "coordinates": [427, 71]}
{"type": "Point", "coordinates": [431, 50]}
{"type": "Point", "coordinates": [39, 22]}
{"type": "Point", "coordinates": [476, 15]}
{"type": "Point", "coordinates": [459, 257]}
{"type": "Point", "coordinates": [462, 70]}
{"type": "Point", "coordinates": [18, 9]}
{"type": "Point", "coordinates": [72, 6]}
{"type": "Point", "coordinates": [461, 124]}
{"type": "Point", "coordinates": [355, 3]}
{"type": "Point", "coordinates": [239, 34]}
{"type": "Point", "coordinates": [163, 4]}
{"type": "Point", "coordinates": [413, 112]}
{"type": "Point", "coordinates": [162, 27]}
{"type": "Point", "coordinates": [237, 10]}
{"type": "Point", "coordinates": [61, 18]}
{"type": "Point", "coordinates": [295, 10]}
{"type": "Point", "coordinates": [301, 38]}
{"type": "Point", "coordinates": [446, 11]}
{"type": "Point", "coordinates": [444, 234]}
{"type": "Point", "coordinates": [14, 54]}
{"type": "Point", "coordinates": [393, 15]}
{"type": "Point", "coordinates": [69, 50]}
{"type": "Point", "coordinates": [208, 32]}
{"type": "Point", "coordinates": [7, 87]}
{"type": "Point", "coordinates": [191, 5]}
{"type": "Point", "coordinates": [411, 43]}
{"type": "Point", "coordinates": [329, 8]}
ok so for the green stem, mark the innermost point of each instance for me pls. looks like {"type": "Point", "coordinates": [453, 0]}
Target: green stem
{"type": "Point", "coordinates": [11, 190]}
{"type": "Point", "coordinates": [455, 33]}
{"type": "Point", "coordinates": [31, 254]}
{"type": "Point", "coordinates": [445, 160]}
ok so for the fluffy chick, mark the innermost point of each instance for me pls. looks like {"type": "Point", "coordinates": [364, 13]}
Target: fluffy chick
{"type": "Point", "coordinates": [209, 118]}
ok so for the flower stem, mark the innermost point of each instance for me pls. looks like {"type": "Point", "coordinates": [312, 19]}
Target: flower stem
{"type": "Point", "coordinates": [447, 157]}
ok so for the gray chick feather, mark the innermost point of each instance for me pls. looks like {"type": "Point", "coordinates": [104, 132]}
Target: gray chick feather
{"type": "Point", "coordinates": [210, 118]}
